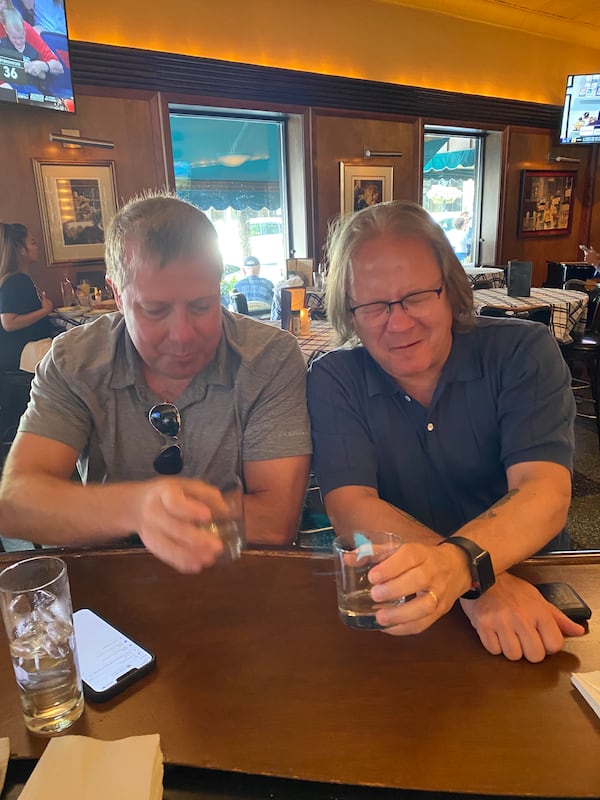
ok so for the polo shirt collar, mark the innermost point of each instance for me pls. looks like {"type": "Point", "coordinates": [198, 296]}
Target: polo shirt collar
{"type": "Point", "coordinates": [220, 372]}
{"type": "Point", "coordinates": [463, 364]}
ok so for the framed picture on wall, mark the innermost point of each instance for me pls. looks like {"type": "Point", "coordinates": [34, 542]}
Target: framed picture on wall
{"type": "Point", "coordinates": [362, 186]}
{"type": "Point", "coordinates": [547, 199]}
{"type": "Point", "coordinates": [76, 203]}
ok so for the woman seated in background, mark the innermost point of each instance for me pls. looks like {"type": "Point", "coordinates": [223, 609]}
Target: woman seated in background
{"type": "Point", "coordinates": [23, 312]}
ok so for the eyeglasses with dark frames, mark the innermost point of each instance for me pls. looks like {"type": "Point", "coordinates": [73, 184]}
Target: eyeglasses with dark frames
{"type": "Point", "coordinates": [166, 420]}
{"type": "Point", "coordinates": [415, 304]}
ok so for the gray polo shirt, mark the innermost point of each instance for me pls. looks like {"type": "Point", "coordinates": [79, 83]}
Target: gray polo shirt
{"type": "Point", "coordinates": [249, 404]}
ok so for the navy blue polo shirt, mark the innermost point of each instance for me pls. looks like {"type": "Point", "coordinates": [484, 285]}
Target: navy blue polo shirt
{"type": "Point", "coordinates": [503, 398]}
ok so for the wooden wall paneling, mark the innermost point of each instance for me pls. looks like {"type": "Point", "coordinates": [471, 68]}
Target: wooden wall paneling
{"type": "Point", "coordinates": [127, 118]}
{"type": "Point", "coordinates": [594, 209]}
{"type": "Point", "coordinates": [344, 138]}
{"type": "Point", "coordinates": [125, 67]}
{"type": "Point", "coordinates": [528, 149]}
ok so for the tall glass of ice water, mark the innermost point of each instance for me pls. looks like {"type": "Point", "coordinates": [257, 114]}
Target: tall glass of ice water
{"type": "Point", "coordinates": [36, 608]}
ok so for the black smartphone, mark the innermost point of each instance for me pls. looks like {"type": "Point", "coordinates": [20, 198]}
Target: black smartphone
{"type": "Point", "coordinates": [109, 660]}
{"type": "Point", "coordinates": [566, 599]}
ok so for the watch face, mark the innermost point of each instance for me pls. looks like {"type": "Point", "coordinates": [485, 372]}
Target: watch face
{"type": "Point", "coordinates": [480, 563]}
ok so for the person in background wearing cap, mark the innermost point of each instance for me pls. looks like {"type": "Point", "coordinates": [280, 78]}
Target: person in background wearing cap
{"type": "Point", "coordinates": [252, 286]}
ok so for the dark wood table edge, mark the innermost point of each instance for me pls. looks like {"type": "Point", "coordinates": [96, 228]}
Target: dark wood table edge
{"type": "Point", "coordinates": [182, 782]}
{"type": "Point", "coordinates": [569, 557]}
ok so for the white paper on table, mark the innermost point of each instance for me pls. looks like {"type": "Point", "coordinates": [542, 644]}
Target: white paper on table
{"type": "Point", "coordinates": [588, 684]}
{"type": "Point", "coordinates": [82, 768]}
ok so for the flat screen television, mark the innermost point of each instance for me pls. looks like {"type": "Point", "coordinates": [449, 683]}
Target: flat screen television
{"type": "Point", "coordinates": [35, 68]}
{"type": "Point", "coordinates": [581, 110]}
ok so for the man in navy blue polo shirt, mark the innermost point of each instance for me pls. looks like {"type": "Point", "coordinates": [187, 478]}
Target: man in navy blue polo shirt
{"type": "Point", "coordinates": [443, 427]}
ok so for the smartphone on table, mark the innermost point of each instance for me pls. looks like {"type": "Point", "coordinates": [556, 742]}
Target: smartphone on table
{"type": "Point", "coordinates": [566, 599]}
{"type": "Point", "coordinates": [108, 659]}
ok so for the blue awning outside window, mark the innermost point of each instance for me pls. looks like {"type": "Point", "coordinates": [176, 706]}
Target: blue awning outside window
{"type": "Point", "coordinates": [239, 196]}
{"type": "Point", "coordinates": [432, 146]}
{"type": "Point", "coordinates": [223, 162]}
{"type": "Point", "coordinates": [455, 159]}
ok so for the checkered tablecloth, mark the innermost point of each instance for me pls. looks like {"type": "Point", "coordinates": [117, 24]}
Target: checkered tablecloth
{"type": "Point", "coordinates": [495, 276]}
{"type": "Point", "coordinates": [569, 309]}
{"type": "Point", "coordinates": [321, 337]}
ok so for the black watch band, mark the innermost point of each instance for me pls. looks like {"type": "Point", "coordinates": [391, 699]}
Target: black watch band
{"type": "Point", "coordinates": [480, 564]}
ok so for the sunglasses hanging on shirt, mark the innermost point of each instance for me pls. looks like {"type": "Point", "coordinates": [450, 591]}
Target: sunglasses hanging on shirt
{"type": "Point", "coordinates": [166, 420]}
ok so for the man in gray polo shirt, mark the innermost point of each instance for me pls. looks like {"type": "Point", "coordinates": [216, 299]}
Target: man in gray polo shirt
{"type": "Point", "coordinates": [444, 428]}
{"type": "Point", "coordinates": [226, 396]}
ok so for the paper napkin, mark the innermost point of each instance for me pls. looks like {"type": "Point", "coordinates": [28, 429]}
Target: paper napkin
{"type": "Point", "coordinates": [588, 684]}
{"type": "Point", "coordinates": [81, 768]}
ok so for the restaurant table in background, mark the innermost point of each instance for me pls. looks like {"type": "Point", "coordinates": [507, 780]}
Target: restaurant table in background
{"type": "Point", "coordinates": [64, 318]}
{"type": "Point", "coordinates": [320, 338]}
{"type": "Point", "coordinates": [486, 274]}
{"type": "Point", "coordinates": [569, 309]}
{"type": "Point", "coordinates": [256, 675]}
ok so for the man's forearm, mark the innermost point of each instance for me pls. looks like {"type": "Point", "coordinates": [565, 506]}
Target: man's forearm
{"type": "Point", "coordinates": [356, 511]}
{"type": "Point", "coordinates": [270, 520]}
{"type": "Point", "coordinates": [50, 510]}
{"type": "Point", "coordinates": [521, 522]}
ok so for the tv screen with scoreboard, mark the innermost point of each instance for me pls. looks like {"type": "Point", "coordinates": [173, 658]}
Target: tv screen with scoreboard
{"type": "Point", "coordinates": [581, 110]}
{"type": "Point", "coordinates": [35, 68]}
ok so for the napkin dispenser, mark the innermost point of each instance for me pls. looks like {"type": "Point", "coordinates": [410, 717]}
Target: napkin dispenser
{"type": "Point", "coordinates": [519, 278]}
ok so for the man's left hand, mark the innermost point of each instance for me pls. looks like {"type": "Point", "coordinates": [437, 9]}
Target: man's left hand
{"type": "Point", "coordinates": [513, 619]}
{"type": "Point", "coordinates": [434, 576]}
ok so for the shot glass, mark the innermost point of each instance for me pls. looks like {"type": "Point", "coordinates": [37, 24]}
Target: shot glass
{"type": "Point", "coordinates": [231, 529]}
{"type": "Point", "coordinates": [36, 608]}
{"type": "Point", "coordinates": [355, 554]}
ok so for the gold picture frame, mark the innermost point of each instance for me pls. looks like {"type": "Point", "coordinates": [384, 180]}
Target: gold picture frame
{"type": "Point", "coordinates": [547, 201]}
{"type": "Point", "coordinates": [362, 186]}
{"type": "Point", "coordinates": [76, 202]}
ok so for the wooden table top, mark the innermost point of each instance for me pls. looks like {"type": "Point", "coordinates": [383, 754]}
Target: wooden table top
{"type": "Point", "coordinates": [256, 674]}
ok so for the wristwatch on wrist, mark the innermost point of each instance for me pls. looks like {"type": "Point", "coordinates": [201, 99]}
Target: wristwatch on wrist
{"type": "Point", "coordinates": [480, 564]}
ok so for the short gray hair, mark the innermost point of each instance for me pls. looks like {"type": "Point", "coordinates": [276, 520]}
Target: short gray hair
{"type": "Point", "coordinates": [157, 225]}
{"type": "Point", "coordinates": [397, 218]}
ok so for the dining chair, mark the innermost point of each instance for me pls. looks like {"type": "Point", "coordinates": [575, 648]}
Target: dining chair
{"type": "Point", "coordinates": [15, 386]}
{"type": "Point", "coordinates": [575, 285]}
{"type": "Point", "coordinates": [540, 313]}
{"type": "Point", "coordinates": [477, 284]}
{"type": "Point", "coordinates": [585, 350]}
{"type": "Point", "coordinates": [239, 302]}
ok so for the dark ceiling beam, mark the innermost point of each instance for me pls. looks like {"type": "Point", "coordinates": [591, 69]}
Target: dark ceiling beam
{"type": "Point", "coordinates": [122, 67]}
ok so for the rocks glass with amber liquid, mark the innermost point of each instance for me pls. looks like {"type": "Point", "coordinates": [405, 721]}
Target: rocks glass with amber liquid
{"type": "Point", "coordinates": [355, 555]}
{"type": "Point", "coordinates": [36, 608]}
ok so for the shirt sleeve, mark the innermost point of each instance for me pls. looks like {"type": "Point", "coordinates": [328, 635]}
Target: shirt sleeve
{"type": "Point", "coordinates": [277, 425]}
{"type": "Point", "coordinates": [536, 408]}
{"type": "Point", "coordinates": [343, 448]}
{"type": "Point", "coordinates": [18, 295]}
{"type": "Point", "coordinates": [33, 38]}
{"type": "Point", "coordinates": [54, 410]}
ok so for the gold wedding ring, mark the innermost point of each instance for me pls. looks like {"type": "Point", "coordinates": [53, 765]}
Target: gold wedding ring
{"type": "Point", "coordinates": [434, 597]}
